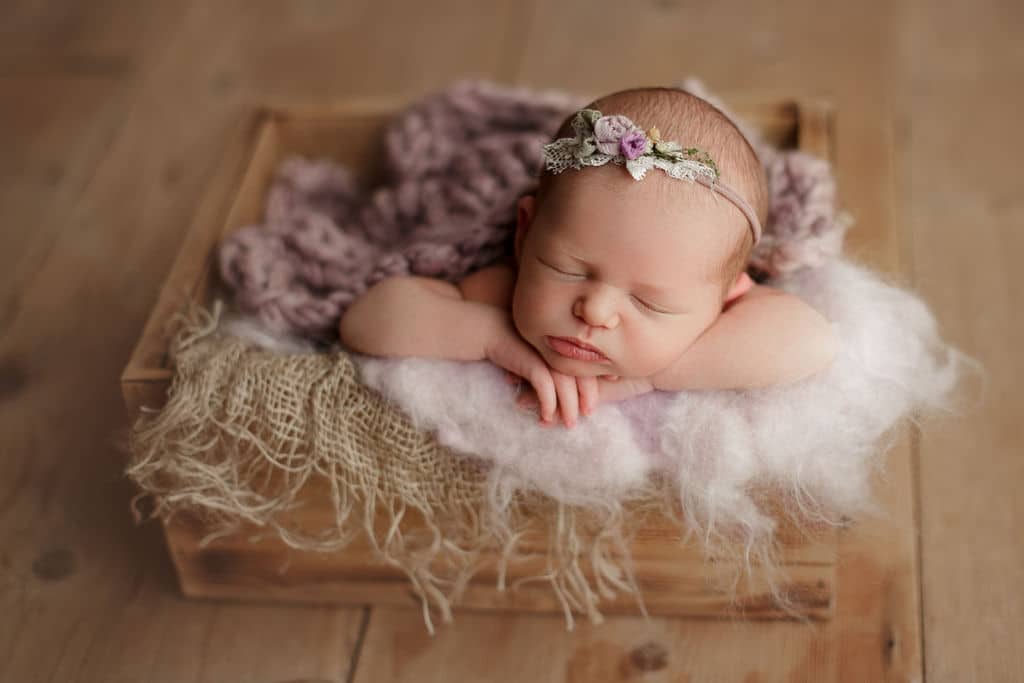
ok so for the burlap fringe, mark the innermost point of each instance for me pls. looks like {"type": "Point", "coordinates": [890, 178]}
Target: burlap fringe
{"type": "Point", "coordinates": [247, 435]}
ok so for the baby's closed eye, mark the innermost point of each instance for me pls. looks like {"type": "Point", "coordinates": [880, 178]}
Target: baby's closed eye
{"type": "Point", "coordinates": [640, 301]}
{"type": "Point", "coordinates": [653, 307]}
{"type": "Point", "coordinates": [559, 270]}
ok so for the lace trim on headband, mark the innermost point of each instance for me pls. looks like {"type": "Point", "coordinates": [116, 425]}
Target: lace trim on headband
{"type": "Point", "coordinates": [602, 139]}
{"type": "Point", "coordinates": [561, 155]}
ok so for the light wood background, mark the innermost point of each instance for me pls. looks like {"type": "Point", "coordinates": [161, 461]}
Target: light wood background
{"type": "Point", "coordinates": [112, 116]}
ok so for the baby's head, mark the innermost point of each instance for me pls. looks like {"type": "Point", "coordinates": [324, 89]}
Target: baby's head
{"type": "Point", "coordinates": [637, 269]}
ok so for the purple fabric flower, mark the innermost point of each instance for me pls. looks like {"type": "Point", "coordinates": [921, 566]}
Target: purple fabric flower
{"type": "Point", "coordinates": [633, 144]}
{"type": "Point", "coordinates": [609, 131]}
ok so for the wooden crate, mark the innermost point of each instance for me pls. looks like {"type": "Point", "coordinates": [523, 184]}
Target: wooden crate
{"type": "Point", "coordinates": [670, 574]}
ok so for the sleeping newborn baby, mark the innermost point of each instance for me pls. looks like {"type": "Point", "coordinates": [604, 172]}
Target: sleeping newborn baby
{"type": "Point", "coordinates": [628, 273]}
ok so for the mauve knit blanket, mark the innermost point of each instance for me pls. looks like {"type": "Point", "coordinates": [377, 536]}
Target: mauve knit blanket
{"type": "Point", "coordinates": [456, 162]}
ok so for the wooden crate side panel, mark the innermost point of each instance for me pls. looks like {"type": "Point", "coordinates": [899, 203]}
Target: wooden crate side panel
{"type": "Point", "coordinates": [247, 205]}
{"type": "Point", "coordinates": [147, 375]}
{"type": "Point", "coordinates": [816, 129]}
{"type": "Point", "coordinates": [236, 198]}
{"type": "Point", "coordinates": [675, 583]}
{"type": "Point", "coordinates": [253, 563]}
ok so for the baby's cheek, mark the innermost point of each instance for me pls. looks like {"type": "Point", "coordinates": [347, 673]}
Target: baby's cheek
{"type": "Point", "coordinates": [664, 346]}
{"type": "Point", "coordinates": [523, 309]}
{"type": "Point", "coordinates": [658, 356]}
{"type": "Point", "coordinates": [527, 293]}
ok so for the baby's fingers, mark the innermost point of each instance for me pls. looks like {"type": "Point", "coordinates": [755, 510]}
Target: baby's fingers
{"type": "Point", "coordinates": [588, 394]}
{"type": "Point", "coordinates": [544, 386]}
{"type": "Point", "coordinates": [568, 398]}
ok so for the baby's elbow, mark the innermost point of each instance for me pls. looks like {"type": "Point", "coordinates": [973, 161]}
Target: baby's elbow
{"type": "Point", "coordinates": [365, 324]}
{"type": "Point", "coordinates": [348, 329]}
{"type": "Point", "coordinates": [351, 330]}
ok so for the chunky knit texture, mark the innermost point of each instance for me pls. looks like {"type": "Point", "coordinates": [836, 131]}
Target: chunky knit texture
{"type": "Point", "coordinates": [457, 161]}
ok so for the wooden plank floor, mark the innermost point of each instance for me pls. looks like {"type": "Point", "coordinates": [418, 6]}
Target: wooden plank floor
{"type": "Point", "coordinates": [113, 114]}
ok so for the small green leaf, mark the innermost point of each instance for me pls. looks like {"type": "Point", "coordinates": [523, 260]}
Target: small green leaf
{"type": "Point", "coordinates": [590, 116]}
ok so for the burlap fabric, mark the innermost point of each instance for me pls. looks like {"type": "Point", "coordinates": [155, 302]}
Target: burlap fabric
{"type": "Point", "coordinates": [247, 435]}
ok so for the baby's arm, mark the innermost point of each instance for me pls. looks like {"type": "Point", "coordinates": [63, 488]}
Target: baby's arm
{"type": "Point", "coordinates": [421, 317]}
{"type": "Point", "coordinates": [767, 337]}
{"type": "Point", "coordinates": [428, 318]}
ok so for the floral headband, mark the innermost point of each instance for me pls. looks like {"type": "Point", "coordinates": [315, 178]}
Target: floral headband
{"type": "Point", "coordinates": [600, 139]}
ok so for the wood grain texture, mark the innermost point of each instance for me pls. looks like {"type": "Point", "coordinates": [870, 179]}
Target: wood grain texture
{"type": "Point", "coordinates": [115, 114]}
{"type": "Point", "coordinates": [959, 144]}
{"type": "Point", "coordinates": [673, 578]}
{"type": "Point", "coordinates": [87, 596]}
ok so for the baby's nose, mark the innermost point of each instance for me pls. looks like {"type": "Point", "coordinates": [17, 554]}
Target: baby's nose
{"type": "Point", "coordinates": [597, 309]}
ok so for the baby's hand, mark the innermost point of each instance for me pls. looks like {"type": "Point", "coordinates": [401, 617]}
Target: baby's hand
{"type": "Point", "coordinates": [575, 395]}
{"type": "Point", "coordinates": [510, 352]}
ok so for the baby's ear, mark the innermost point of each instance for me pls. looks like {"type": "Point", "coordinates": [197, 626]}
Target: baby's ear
{"type": "Point", "coordinates": [524, 217]}
{"type": "Point", "coordinates": [739, 288]}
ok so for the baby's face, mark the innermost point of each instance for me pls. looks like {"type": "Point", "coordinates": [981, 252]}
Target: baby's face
{"type": "Point", "coordinates": [624, 266]}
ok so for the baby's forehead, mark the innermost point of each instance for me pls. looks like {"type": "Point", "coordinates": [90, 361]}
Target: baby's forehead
{"type": "Point", "coordinates": [679, 217]}
{"type": "Point", "coordinates": [612, 184]}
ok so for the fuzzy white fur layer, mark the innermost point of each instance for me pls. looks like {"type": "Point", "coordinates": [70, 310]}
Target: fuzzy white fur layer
{"type": "Point", "coordinates": [816, 441]}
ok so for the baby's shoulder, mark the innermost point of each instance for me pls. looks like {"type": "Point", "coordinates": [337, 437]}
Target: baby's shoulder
{"type": "Point", "coordinates": [755, 291]}
{"type": "Point", "coordinates": [491, 285]}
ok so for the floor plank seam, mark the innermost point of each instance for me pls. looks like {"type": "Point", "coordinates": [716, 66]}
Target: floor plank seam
{"type": "Point", "coordinates": [364, 626]}
{"type": "Point", "coordinates": [915, 471]}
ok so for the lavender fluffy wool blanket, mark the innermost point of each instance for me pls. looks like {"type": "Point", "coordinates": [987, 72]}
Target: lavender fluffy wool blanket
{"type": "Point", "coordinates": [447, 208]}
